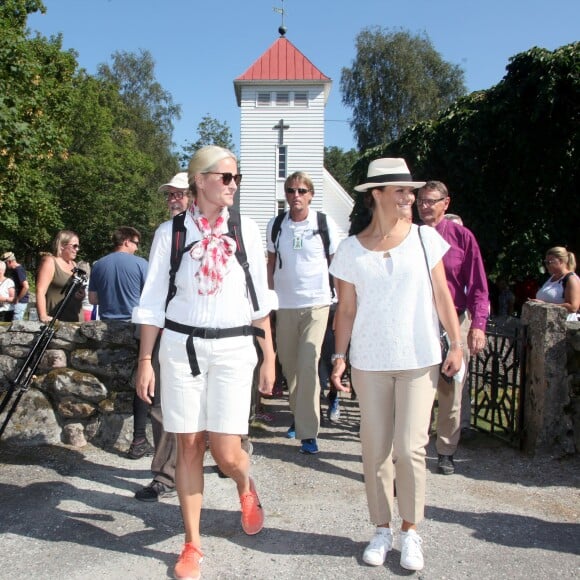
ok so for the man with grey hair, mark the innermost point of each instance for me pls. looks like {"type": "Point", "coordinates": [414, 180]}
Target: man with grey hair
{"type": "Point", "coordinates": [178, 199]}
{"type": "Point", "coordinates": [467, 283]}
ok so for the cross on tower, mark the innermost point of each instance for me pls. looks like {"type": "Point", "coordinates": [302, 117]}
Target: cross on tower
{"type": "Point", "coordinates": [280, 126]}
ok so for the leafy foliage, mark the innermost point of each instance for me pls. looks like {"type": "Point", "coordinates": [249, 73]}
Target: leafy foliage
{"type": "Point", "coordinates": [210, 131]}
{"type": "Point", "coordinates": [510, 157]}
{"type": "Point", "coordinates": [80, 152]}
{"type": "Point", "coordinates": [340, 163]}
{"type": "Point", "coordinates": [396, 80]}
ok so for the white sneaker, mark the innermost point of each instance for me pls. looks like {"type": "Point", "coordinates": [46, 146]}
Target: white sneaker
{"type": "Point", "coordinates": [411, 551]}
{"type": "Point", "coordinates": [376, 552]}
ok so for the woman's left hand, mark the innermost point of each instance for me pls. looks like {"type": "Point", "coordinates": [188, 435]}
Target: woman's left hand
{"type": "Point", "coordinates": [452, 364]}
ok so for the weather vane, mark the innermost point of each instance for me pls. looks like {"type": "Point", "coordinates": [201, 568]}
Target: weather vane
{"type": "Point", "coordinates": [282, 28]}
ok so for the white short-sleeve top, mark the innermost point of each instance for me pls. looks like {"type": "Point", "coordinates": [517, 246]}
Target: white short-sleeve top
{"type": "Point", "coordinates": [228, 308]}
{"type": "Point", "coordinates": [396, 325]}
{"type": "Point", "coordinates": [302, 280]}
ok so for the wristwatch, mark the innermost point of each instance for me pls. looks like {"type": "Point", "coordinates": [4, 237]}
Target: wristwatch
{"type": "Point", "coordinates": [336, 356]}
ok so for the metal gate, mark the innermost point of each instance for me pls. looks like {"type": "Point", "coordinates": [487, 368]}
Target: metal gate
{"type": "Point", "coordinates": [496, 383]}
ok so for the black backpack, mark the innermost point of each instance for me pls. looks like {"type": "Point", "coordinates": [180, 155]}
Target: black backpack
{"type": "Point", "coordinates": [178, 248]}
{"type": "Point", "coordinates": [322, 231]}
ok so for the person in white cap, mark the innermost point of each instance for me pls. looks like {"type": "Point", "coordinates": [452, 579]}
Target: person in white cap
{"type": "Point", "coordinates": [17, 272]}
{"type": "Point", "coordinates": [392, 293]}
{"type": "Point", "coordinates": [178, 198]}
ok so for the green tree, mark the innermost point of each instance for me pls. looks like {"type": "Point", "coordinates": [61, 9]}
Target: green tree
{"type": "Point", "coordinates": [210, 131]}
{"type": "Point", "coordinates": [510, 157]}
{"type": "Point", "coordinates": [340, 163]}
{"type": "Point", "coordinates": [36, 85]}
{"type": "Point", "coordinates": [149, 110]}
{"type": "Point", "coordinates": [396, 80]}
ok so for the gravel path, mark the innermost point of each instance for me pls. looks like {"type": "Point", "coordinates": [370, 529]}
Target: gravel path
{"type": "Point", "coordinates": [67, 513]}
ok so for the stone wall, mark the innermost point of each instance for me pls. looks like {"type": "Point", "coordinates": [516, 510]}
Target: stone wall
{"type": "Point", "coordinates": [83, 387]}
{"type": "Point", "coordinates": [552, 390]}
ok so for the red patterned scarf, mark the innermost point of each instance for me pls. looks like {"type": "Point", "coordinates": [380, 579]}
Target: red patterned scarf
{"type": "Point", "coordinates": [213, 251]}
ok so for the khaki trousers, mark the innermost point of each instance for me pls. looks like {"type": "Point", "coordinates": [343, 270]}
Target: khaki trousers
{"type": "Point", "coordinates": [395, 407]}
{"type": "Point", "coordinates": [299, 336]}
{"type": "Point", "coordinates": [449, 397]}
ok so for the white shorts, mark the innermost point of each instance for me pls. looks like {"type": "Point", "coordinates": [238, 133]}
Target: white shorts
{"type": "Point", "coordinates": [217, 400]}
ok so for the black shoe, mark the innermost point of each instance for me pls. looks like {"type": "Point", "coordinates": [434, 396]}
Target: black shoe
{"type": "Point", "coordinates": [141, 449]}
{"type": "Point", "coordinates": [154, 491]}
{"type": "Point", "coordinates": [445, 465]}
{"type": "Point", "coordinates": [468, 434]}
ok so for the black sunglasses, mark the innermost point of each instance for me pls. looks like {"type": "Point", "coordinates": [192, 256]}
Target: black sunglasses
{"type": "Point", "coordinates": [227, 176]}
{"type": "Point", "coordinates": [298, 190]}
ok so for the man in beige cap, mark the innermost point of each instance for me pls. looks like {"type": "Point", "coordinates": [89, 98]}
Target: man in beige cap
{"type": "Point", "coordinates": [18, 275]}
{"type": "Point", "coordinates": [178, 199]}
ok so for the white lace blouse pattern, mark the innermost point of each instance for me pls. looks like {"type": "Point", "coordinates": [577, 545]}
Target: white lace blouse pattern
{"type": "Point", "coordinates": [396, 325]}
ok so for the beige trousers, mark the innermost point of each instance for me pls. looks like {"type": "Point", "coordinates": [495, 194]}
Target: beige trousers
{"type": "Point", "coordinates": [449, 397]}
{"type": "Point", "coordinates": [299, 336]}
{"type": "Point", "coordinates": [395, 407]}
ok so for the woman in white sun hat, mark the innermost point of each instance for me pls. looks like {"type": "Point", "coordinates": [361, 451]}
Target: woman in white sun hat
{"type": "Point", "coordinates": [391, 295]}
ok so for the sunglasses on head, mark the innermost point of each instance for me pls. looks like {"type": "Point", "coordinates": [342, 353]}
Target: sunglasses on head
{"type": "Point", "coordinates": [298, 190]}
{"type": "Point", "coordinates": [227, 176]}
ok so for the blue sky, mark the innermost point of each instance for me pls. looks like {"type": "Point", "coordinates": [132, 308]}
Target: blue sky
{"type": "Point", "coordinates": [200, 47]}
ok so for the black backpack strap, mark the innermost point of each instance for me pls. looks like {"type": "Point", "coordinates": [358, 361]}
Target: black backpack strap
{"type": "Point", "coordinates": [275, 235]}
{"type": "Point", "coordinates": [325, 236]}
{"type": "Point", "coordinates": [323, 233]}
{"type": "Point", "coordinates": [235, 232]}
{"type": "Point", "coordinates": [177, 250]}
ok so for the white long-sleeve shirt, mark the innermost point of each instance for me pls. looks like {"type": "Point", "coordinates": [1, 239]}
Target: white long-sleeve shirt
{"type": "Point", "coordinates": [231, 306]}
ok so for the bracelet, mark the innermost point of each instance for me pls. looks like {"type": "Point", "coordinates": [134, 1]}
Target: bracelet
{"type": "Point", "coordinates": [145, 358]}
{"type": "Point", "coordinates": [457, 344]}
{"type": "Point", "coordinates": [336, 356]}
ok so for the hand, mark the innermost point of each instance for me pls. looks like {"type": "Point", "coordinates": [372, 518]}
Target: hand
{"type": "Point", "coordinates": [338, 369]}
{"type": "Point", "coordinates": [145, 381]}
{"type": "Point", "coordinates": [452, 363]}
{"type": "Point", "coordinates": [267, 376]}
{"type": "Point", "coordinates": [476, 341]}
{"type": "Point", "coordinates": [45, 319]}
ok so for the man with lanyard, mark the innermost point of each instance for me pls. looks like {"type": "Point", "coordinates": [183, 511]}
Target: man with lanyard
{"type": "Point", "coordinates": [468, 286]}
{"type": "Point", "coordinates": [298, 272]}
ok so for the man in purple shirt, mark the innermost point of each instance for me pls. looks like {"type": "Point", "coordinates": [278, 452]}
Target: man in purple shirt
{"type": "Point", "coordinates": [468, 286]}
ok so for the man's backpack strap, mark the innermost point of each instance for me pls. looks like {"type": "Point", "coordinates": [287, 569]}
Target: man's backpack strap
{"type": "Point", "coordinates": [276, 227]}
{"type": "Point", "coordinates": [235, 232]}
{"type": "Point", "coordinates": [177, 250]}
{"type": "Point", "coordinates": [323, 233]}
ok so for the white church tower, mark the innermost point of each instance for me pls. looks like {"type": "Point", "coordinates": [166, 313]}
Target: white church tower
{"type": "Point", "coordinates": [282, 97]}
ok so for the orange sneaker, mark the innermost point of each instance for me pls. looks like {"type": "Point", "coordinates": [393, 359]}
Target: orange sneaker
{"type": "Point", "coordinates": [252, 512]}
{"type": "Point", "coordinates": [187, 567]}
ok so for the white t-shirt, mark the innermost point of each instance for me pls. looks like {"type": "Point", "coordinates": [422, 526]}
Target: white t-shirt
{"type": "Point", "coordinates": [302, 281]}
{"type": "Point", "coordinates": [5, 293]}
{"type": "Point", "coordinates": [396, 325]}
{"type": "Point", "coordinates": [230, 307]}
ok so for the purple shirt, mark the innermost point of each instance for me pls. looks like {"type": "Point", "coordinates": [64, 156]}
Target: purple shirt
{"type": "Point", "coordinates": [465, 272]}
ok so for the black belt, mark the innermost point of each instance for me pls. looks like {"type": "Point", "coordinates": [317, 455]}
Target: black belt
{"type": "Point", "coordinates": [209, 333]}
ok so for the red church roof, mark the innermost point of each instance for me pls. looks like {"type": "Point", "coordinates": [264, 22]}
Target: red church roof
{"type": "Point", "coordinates": [283, 62]}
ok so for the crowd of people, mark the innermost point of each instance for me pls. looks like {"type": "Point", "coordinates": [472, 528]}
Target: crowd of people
{"type": "Point", "coordinates": [219, 319]}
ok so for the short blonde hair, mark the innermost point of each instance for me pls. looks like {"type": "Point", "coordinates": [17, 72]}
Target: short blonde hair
{"type": "Point", "coordinates": [561, 253]}
{"type": "Point", "coordinates": [205, 159]}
